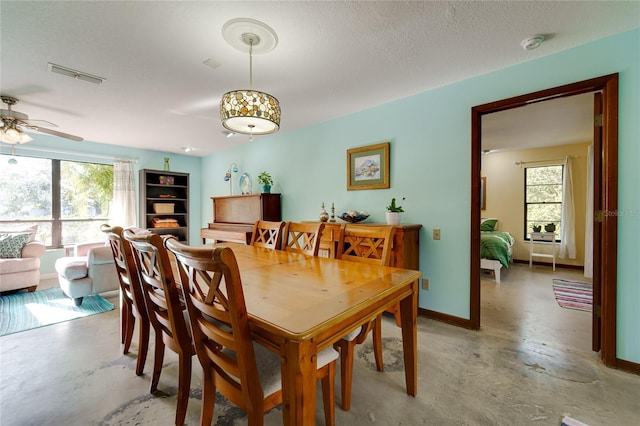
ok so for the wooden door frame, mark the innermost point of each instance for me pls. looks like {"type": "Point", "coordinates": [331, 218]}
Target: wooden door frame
{"type": "Point", "coordinates": [608, 195]}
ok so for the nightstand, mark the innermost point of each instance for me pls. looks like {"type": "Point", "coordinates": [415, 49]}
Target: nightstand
{"type": "Point", "coordinates": [548, 237]}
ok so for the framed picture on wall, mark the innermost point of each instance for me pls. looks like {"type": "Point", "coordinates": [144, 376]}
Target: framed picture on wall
{"type": "Point", "coordinates": [368, 167]}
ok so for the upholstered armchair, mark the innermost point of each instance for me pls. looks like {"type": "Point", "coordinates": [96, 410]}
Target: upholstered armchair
{"type": "Point", "coordinates": [20, 258]}
{"type": "Point", "coordinates": [91, 270]}
{"type": "Point", "coordinates": [22, 271]}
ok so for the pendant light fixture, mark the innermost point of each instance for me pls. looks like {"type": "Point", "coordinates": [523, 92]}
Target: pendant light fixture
{"type": "Point", "coordinates": [249, 111]}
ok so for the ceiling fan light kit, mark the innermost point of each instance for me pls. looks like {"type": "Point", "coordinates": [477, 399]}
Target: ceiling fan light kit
{"type": "Point", "coordinates": [13, 123]}
{"type": "Point", "coordinates": [249, 111]}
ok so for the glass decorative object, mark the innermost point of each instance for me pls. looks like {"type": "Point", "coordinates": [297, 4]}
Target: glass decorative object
{"type": "Point", "coordinates": [166, 164]}
{"type": "Point", "coordinates": [245, 184]}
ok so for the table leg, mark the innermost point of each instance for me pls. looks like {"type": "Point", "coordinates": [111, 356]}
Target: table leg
{"type": "Point", "coordinates": [299, 366]}
{"type": "Point", "coordinates": [408, 317]}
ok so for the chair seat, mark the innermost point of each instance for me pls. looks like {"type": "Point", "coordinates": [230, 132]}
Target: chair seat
{"type": "Point", "coordinates": [268, 363]}
{"type": "Point", "coordinates": [352, 335]}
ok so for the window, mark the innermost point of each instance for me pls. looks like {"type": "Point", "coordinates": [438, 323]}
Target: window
{"type": "Point", "coordinates": [543, 197]}
{"type": "Point", "coordinates": [68, 200]}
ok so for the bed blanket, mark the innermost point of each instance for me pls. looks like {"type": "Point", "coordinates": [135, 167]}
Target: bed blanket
{"type": "Point", "coordinates": [495, 245]}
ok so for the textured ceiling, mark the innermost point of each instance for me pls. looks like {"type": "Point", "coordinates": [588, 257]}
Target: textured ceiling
{"type": "Point", "coordinates": [333, 58]}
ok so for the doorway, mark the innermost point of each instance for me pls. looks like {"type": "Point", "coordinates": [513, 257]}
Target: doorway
{"type": "Point", "coordinates": [605, 199]}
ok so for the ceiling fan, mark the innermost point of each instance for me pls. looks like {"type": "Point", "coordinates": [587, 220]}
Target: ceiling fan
{"type": "Point", "coordinates": [14, 124]}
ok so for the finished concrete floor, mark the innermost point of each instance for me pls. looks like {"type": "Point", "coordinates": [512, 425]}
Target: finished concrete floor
{"type": "Point", "coordinates": [530, 364]}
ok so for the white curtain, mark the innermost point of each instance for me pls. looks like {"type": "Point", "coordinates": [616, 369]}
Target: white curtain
{"type": "Point", "coordinates": [588, 231]}
{"type": "Point", "coordinates": [123, 207]}
{"type": "Point", "coordinates": [568, 237]}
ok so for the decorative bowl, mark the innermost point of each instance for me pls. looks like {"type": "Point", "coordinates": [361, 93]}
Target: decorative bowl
{"type": "Point", "coordinates": [353, 216]}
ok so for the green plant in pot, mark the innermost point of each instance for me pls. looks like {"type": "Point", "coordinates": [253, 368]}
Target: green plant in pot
{"type": "Point", "coordinates": [266, 181]}
{"type": "Point", "coordinates": [536, 227]}
{"type": "Point", "coordinates": [550, 227]}
{"type": "Point", "coordinates": [394, 212]}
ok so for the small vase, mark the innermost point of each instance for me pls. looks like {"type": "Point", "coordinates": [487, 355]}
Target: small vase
{"type": "Point", "coordinates": [393, 218]}
{"type": "Point", "coordinates": [324, 216]}
{"type": "Point", "coordinates": [166, 164]}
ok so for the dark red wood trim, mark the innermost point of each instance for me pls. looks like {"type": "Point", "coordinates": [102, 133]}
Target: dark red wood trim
{"type": "Point", "coordinates": [628, 366]}
{"type": "Point", "coordinates": [609, 256]}
{"type": "Point", "coordinates": [449, 319]}
{"type": "Point", "coordinates": [608, 84]}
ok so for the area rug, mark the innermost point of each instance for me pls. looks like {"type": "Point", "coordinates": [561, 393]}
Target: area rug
{"type": "Point", "coordinates": [573, 294]}
{"type": "Point", "coordinates": [24, 311]}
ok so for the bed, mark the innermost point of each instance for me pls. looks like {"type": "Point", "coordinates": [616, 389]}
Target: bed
{"type": "Point", "coordinates": [496, 247]}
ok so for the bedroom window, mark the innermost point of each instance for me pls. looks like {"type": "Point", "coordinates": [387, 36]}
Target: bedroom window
{"type": "Point", "coordinates": [68, 200]}
{"type": "Point", "coordinates": [543, 198]}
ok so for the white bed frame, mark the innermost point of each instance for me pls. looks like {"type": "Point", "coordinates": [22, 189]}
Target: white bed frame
{"type": "Point", "coordinates": [494, 265]}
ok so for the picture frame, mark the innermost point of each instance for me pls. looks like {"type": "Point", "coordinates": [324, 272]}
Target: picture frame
{"type": "Point", "coordinates": [368, 167]}
{"type": "Point", "coordinates": [483, 193]}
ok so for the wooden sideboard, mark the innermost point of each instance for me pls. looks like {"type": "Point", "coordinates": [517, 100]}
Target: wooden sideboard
{"type": "Point", "coordinates": [234, 216]}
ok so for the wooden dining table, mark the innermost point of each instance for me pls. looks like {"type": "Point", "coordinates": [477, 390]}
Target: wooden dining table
{"type": "Point", "coordinates": [299, 305]}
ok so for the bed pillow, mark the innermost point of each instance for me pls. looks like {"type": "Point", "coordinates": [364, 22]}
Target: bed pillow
{"type": "Point", "coordinates": [11, 245]}
{"type": "Point", "coordinates": [488, 224]}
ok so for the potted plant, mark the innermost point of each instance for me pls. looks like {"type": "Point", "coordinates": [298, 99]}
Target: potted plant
{"type": "Point", "coordinates": [266, 181]}
{"type": "Point", "coordinates": [536, 227]}
{"type": "Point", "coordinates": [394, 213]}
{"type": "Point", "coordinates": [550, 227]}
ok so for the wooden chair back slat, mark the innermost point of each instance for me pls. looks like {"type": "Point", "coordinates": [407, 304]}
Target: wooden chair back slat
{"type": "Point", "coordinates": [267, 234]}
{"type": "Point", "coordinates": [366, 244]}
{"type": "Point", "coordinates": [303, 237]}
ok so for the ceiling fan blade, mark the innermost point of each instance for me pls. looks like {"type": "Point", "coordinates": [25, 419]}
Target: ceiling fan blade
{"type": "Point", "coordinates": [56, 133]}
{"type": "Point", "coordinates": [36, 123]}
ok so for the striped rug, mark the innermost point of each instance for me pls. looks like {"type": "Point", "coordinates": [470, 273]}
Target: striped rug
{"type": "Point", "coordinates": [24, 311]}
{"type": "Point", "coordinates": [573, 294]}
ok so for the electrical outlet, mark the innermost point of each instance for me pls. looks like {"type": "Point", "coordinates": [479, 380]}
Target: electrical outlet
{"type": "Point", "coordinates": [425, 283]}
{"type": "Point", "coordinates": [436, 233]}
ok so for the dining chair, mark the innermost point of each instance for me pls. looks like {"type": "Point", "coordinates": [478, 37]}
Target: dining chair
{"type": "Point", "coordinates": [132, 299]}
{"type": "Point", "coordinates": [302, 237]}
{"type": "Point", "coordinates": [166, 311]}
{"type": "Point", "coordinates": [364, 244]}
{"type": "Point", "coordinates": [267, 234]}
{"type": "Point", "coordinates": [245, 372]}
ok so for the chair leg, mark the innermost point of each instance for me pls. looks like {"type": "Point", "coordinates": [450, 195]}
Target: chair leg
{"type": "Point", "coordinates": [157, 361]}
{"type": "Point", "coordinates": [143, 345]}
{"type": "Point", "coordinates": [129, 323]}
{"type": "Point", "coordinates": [377, 342]}
{"type": "Point", "coordinates": [184, 387]}
{"type": "Point", "coordinates": [346, 371]}
{"type": "Point", "coordinates": [328, 394]}
{"type": "Point", "coordinates": [208, 399]}
{"type": "Point", "coordinates": [124, 316]}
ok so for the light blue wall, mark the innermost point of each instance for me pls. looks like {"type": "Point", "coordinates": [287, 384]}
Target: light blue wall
{"type": "Point", "coordinates": [51, 147]}
{"type": "Point", "coordinates": [430, 166]}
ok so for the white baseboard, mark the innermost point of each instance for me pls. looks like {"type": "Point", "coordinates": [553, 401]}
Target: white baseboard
{"type": "Point", "coordinates": [48, 276]}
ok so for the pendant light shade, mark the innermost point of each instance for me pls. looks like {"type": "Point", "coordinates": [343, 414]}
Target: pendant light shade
{"type": "Point", "coordinates": [250, 111]}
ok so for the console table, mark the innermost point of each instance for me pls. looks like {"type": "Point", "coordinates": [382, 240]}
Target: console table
{"type": "Point", "coordinates": [548, 237]}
